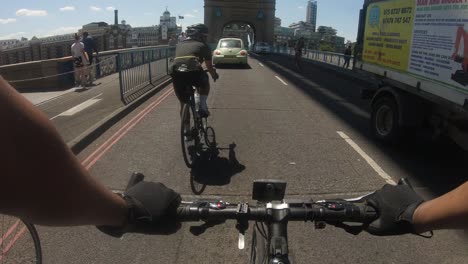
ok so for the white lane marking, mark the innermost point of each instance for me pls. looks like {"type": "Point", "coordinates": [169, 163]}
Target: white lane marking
{"type": "Point", "coordinates": [79, 107]}
{"type": "Point", "coordinates": [369, 160]}
{"type": "Point", "coordinates": [281, 80]}
{"type": "Point", "coordinates": [261, 64]}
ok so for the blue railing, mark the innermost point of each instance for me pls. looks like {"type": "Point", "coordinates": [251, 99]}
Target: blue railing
{"type": "Point", "coordinates": [332, 58]}
{"type": "Point", "coordinates": [140, 70]}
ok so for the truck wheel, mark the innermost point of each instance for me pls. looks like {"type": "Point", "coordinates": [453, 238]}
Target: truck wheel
{"type": "Point", "coordinates": [384, 119]}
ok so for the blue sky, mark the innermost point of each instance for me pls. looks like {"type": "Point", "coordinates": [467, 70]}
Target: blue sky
{"type": "Point", "coordinates": [44, 18]}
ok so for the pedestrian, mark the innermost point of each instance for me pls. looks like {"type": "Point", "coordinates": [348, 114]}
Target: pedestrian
{"type": "Point", "coordinates": [80, 59]}
{"type": "Point", "coordinates": [347, 56]}
{"type": "Point", "coordinates": [90, 47]}
{"type": "Point", "coordinates": [182, 37]}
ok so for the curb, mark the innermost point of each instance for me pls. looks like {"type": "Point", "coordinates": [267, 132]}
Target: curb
{"type": "Point", "coordinates": [79, 143]}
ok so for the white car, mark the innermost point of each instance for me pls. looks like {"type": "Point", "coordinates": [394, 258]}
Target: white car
{"type": "Point", "coordinates": [262, 47]}
{"type": "Point", "coordinates": [230, 51]}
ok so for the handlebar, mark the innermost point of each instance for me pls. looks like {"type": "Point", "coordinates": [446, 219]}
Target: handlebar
{"type": "Point", "coordinates": [332, 211]}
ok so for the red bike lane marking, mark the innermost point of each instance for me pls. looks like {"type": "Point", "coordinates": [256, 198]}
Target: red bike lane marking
{"type": "Point", "coordinates": [7, 234]}
{"type": "Point", "coordinates": [124, 127]}
{"type": "Point", "coordinates": [128, 126]}
{"type": "Point", "coordinates": [12, 242]}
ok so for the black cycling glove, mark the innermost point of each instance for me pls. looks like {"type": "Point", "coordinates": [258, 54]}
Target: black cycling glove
{"type": "Point", "coordinates": [395, 206]}
{"type": "Point", "coordinates": [152, 209]}
{"type": "Point", "coordinates": [215, 76]}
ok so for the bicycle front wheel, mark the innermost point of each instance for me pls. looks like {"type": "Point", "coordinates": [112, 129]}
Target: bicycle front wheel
{"type": "Point", "coordinates": [19, 241]}
{"type": "Point", "coordinates": [189, 136]}
{"type": "Point", "coordinates": [258, 248]}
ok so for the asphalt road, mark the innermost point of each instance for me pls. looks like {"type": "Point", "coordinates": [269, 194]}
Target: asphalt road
{"type": "Point", "coordinates": [285, 126]}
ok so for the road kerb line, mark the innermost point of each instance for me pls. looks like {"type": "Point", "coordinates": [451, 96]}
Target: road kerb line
{"type": "Point", "coordinates": [281, 80]}
{"type": "Point", "coordinates": [366, 157]}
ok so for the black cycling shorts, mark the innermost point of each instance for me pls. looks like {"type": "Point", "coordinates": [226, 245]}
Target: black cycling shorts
{"type": "Point", "coordinates": [183, 82]}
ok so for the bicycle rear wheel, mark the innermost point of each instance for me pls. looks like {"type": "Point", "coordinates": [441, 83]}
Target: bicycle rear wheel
{"type": "Point", "coordinates": [19, 241]}
{"type": "Point", "coordinates": [189, 136]}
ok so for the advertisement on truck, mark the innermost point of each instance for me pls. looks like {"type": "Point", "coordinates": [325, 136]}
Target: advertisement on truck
{"type": "Point", "coordinates": [424, 38]}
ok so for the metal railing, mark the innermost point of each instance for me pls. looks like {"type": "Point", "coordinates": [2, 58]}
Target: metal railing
{"type": "Point", "coordinates": [332, 58]}
{"type": "Point", "coordinates": [140, 69]}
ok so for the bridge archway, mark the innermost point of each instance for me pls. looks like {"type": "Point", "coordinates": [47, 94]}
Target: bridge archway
{"type": "Point", "coordinates": [258, 14]}
{"type": "Point", "coordinates": [240, 29]}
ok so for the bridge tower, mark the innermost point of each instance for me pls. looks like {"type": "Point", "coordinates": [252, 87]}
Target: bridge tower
{"type": "Point", "coordinates": [258, 14]}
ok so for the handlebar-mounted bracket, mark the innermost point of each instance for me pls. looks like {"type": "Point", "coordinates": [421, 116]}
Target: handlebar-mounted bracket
{"type": "Point", "coordinates": [268, 190]}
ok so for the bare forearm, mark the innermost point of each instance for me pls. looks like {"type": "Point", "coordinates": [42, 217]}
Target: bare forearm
{"type": "Point", "coordinates": [449, 211]}
{"type": "Point", "coordinates": [44, 182]}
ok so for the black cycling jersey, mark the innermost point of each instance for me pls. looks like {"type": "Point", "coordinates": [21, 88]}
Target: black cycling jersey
{"type": "Point", "coordinates": [190, 54]}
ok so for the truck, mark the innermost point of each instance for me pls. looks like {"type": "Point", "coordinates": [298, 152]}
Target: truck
{"type": "Point", "coordinates": [418, 52]}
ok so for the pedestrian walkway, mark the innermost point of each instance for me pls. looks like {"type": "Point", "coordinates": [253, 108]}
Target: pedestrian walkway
{"type": "Point", "coordinates": [38, 98]}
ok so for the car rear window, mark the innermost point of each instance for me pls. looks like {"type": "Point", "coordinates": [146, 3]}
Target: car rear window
{"type": "Point", "coordinates": [232, 43]}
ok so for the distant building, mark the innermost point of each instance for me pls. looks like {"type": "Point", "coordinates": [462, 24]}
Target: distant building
{"type": "Point", "coordinates": [143, 36]}
{"type": "Point", "coordinates": [283, 36]}
{"type": "Point", "coordinates": [106, 37]}
{"type": "Point", "coordinates": [301, 27]}
{"type": "Point", "coordinates": [168, 21]}
{"type": "Point", "coordinates": [312, 13]}
{"type": "Point", "coordinates": [277, 22]}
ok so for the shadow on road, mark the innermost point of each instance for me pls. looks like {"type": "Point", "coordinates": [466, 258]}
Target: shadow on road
{"type": "Point", "coordinates": [234, 66]}
{"type": "Point", "coordinates": [215, 170]}
{"type": "Point", "coordinates": [439, 165]}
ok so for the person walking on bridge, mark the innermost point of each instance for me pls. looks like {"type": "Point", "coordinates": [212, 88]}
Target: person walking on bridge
{"type": "Point", "coordinates": [90, 48]}
{"type": "Point", "coordinates": [80, 59]}
{"type": "Point", "coordinates": [347, 56]}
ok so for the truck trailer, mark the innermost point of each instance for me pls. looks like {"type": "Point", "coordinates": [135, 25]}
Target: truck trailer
{"type": "Point", "coordinates": [418, 51]}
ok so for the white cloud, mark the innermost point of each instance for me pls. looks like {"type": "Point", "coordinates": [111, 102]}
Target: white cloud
{"type": "Point", "coordinates": [28, 12]}
{"type": "Point", "coordinates": [95, 8]}
{"type": "Point", "coordinates": [110, 8]}
{"type": "Point", "coordinates": [13, 35]}
{"type": "Point", "coordinates": [7, 21]}
{"type": "Point", "coordinates": [67, 8]}
{"type": "Point", "coordinates": [63, 30]}
{"type": "Point", "coordinates": [300, 7]}
{"type": "Point", "coordinates": [189, 16]}
{"type": "Point", "coordinates": [195, 10]}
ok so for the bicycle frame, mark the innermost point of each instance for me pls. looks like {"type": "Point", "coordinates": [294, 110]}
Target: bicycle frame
{"type": "Point", "coordinates": [277, 237]}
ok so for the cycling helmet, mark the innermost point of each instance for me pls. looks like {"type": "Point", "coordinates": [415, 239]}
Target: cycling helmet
{"type": "Point", "coordinates": [197, 31]}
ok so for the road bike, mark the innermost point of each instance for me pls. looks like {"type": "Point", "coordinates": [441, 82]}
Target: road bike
{"type": "Point", "coordinates": [195, 133]}
{"type": "Point", "coordinates": [19, 241]}
{"type": "Point", "coordinates": [271, 215]}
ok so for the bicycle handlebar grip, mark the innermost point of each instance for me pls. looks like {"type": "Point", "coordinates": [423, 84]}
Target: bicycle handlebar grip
{"type": "Point", "coordinates": [186, 213]}
{"type": "Point", "coordinates": [134, 179]}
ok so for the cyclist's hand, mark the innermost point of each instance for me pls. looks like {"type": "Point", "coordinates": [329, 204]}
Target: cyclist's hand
{"type": "Point", "coordinates": [215, 76]}
{"type": "Point", "coordinates": [152, 210]}
{"type": "Point", "coordinates": [395, 206]}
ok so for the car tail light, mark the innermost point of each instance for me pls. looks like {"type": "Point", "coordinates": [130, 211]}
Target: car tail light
{"type": "Point", "coordinates": [217, 52]}
{"type": "Point", "coordinates": [242, 52]}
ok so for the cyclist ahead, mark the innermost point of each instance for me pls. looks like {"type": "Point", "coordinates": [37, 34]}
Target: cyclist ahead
{"type": "Point", "coordinates": [187, 70]}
